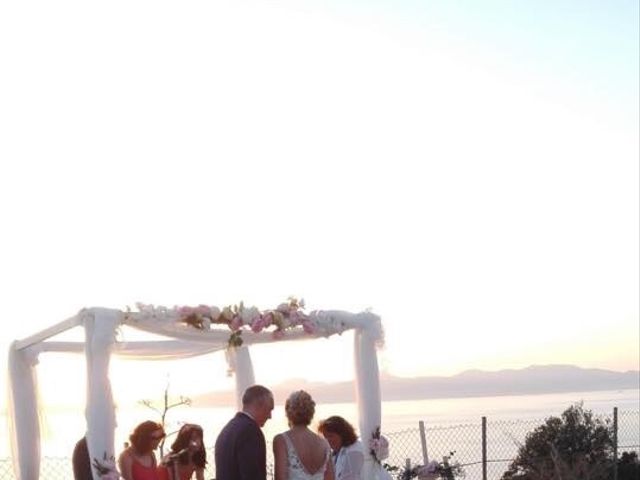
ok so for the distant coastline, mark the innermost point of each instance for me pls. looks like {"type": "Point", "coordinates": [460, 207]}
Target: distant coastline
{"type": "Point", "coordinates": [536, 379]}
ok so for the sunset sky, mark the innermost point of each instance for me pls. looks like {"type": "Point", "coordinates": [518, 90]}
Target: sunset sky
{"type": "Point", "coordinates": [468, 171]}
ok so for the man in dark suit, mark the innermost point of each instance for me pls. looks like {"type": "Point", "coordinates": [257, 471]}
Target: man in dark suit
{"type": "Point", "coordinates": [240, 451]}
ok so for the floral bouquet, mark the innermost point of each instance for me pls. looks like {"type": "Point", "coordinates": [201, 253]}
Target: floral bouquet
{"type": "Point", "coordinates": [106, 468]}
{"type": "Point", "coordinates": [379, 446]}
{"type": "Point", "coordinates": [431, 471]}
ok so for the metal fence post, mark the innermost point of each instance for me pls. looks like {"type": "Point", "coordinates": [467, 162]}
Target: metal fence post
{"type": "Point", "coordinates": [484, 448]}
{"type": "Point", "coordinates": [423, 441]}
{"type": "Point", "coordinates": [615, 443]}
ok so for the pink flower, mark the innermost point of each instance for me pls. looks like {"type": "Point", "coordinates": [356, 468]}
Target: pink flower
{"type": "Point", "coordinates": [203, 309]}
{"type": "Point", "coordinates": [257, 325]}
{"type": "Point", "coordinates": [267, 319]}
{"type": "Point", "coordinates": [278, 334]}
{"type": "Point", "coordinates": [185, 311]}
{"type": "Point", "coordinates": [295, 317]}
{"type": "Point", "coordinates": [236, 323]}
{"type": "Point", "coordinates": [309, 327]}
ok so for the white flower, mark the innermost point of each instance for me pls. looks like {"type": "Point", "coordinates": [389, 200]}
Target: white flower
{"type": "Point", "coordinates": [431, 467]}
{"type": "Point", "coordinates": [215, 313]}
{"type": "Point", "coordinates": [249, 314]}
{"type": "Point", "coordinates": [380, 447]}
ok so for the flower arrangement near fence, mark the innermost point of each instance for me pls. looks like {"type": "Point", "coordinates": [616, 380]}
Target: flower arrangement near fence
{"type": "Point", "coordinates": [431, 471]}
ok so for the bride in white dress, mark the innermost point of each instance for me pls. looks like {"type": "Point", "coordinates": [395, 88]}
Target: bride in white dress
{"type": "Point", "coordinates": [299, 453]}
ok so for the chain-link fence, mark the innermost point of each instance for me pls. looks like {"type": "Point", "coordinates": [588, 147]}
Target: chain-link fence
{"type": "Point", "coordinates": [629, 432]}
{"type": "Point", "coordinates": [501, 440]}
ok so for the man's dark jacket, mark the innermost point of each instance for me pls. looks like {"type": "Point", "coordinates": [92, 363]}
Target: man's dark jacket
{"type": "Point", "coordinates": [240, 451]}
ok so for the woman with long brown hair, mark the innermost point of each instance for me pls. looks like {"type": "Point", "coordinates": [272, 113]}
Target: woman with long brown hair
{"type": "Point", "coordinates": [187, 455]}
{"type": "Point", "coordinates": [138, 461]}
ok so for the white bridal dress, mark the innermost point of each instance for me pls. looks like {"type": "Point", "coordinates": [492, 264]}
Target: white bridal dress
{"type": "Point", "coordinates": [296, 468]}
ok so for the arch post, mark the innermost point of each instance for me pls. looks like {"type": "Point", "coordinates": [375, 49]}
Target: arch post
{"type": "Point", "coordinates": [239, 361]}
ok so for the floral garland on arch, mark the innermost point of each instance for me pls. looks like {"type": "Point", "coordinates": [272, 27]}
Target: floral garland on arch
{"type": "Point", "coordinates": [239, 318]}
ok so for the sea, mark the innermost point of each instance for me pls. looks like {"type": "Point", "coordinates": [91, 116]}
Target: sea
{"type": "Point", "coordinates": [62, 427]}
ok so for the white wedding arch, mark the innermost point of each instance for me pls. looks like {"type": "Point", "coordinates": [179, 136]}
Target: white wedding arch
{"type": "Point", "coordinates": [192, 332]}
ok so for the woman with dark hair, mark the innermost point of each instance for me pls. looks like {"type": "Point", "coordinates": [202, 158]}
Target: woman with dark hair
{"type": "Point", "coordinates": [138, 462]}
{"type": "Point", "coordinates": [187, 455]}
{"type": "Point", "coordinates": [348, 453]}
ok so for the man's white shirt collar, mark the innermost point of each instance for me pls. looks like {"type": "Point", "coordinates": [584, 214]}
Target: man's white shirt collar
{"type": "Point", "coordinates": [249, 415]}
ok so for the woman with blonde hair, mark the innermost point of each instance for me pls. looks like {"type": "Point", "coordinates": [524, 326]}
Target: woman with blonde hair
{"type": "Point", "coordinates": [299, 453]}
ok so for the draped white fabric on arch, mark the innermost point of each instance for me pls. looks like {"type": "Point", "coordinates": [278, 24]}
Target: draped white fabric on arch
{"type": "Point", "coordinates": [100, 343]}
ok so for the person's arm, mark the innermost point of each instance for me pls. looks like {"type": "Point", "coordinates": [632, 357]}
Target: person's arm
{"type": "Point", "coordinates": [125, 463]}
{"type": "Point", "coordinates": [329, 473]}
{"type": "Point", "coordinates": [280, 457]}
{"type": "Point", "coordinates": [199, 473]}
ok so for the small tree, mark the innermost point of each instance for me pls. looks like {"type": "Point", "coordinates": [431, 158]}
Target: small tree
{"type": "Point", "coordinates": [574, 446]}
{"type": "Point", "coordinates": [163, 413]}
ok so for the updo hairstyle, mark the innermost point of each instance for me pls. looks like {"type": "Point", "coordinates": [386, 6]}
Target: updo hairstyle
{"type": "Point", "coordinates": [300, 408]}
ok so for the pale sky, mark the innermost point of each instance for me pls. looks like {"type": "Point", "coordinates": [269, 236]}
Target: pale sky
{"type": "Point", "coordinates": [469, 172]}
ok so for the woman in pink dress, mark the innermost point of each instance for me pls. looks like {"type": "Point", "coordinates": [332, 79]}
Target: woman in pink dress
{"type": "Point", "coordinates": [138, 462]}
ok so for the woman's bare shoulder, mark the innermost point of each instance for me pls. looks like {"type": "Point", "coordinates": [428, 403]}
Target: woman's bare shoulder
{"type": "Point", "coordinates": [126, 454]}
{"type": "Point", "coordinates": [322, 441]}
{"type": "Point", "coordinates": [278, 441]}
